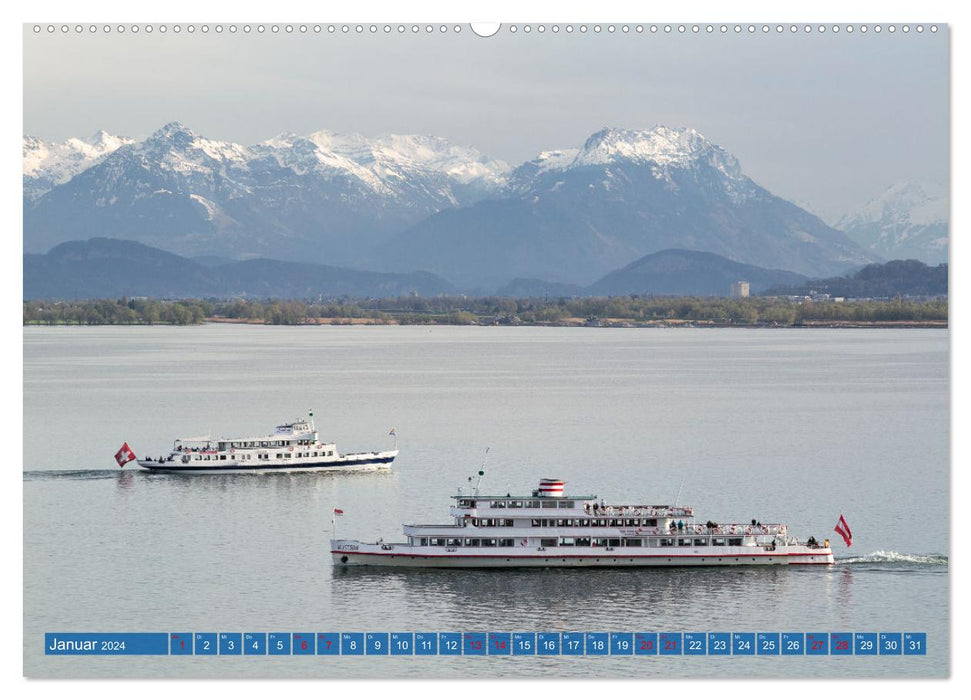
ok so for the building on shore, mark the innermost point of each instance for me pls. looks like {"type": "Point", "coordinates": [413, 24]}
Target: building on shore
{"type": "Point", "coordinates": [740, 289]}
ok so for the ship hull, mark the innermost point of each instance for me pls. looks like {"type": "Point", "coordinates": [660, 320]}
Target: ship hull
{"type": "Point", "coordinates": [345, 554]}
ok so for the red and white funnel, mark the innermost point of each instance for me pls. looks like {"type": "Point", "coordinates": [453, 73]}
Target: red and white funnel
{"type": "Point", "coordinates": [551, 488]}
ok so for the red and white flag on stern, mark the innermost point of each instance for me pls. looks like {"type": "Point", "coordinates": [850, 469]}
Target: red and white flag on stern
{"type": "Point", "coordinates": [338, 511]}
{"type": "Point", "coordinates": [844, 531]}
{"type": "Point", "coordinates": [124, 455]}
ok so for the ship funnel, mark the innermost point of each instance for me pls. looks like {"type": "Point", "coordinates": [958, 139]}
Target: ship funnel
{"type": "Point", "coordinates": [551, 488]}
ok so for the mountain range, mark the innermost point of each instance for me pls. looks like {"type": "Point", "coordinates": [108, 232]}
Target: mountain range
{"type": "Point", "coordinates": [105, 268]}
{"type": "Point", "coordinates": [322, 198]}
{"type": "Point", "coordinates": [398, 203]}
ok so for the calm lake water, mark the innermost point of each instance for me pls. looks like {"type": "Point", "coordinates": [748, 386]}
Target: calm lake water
{"type": "Point", "coordinates": [792, 426]}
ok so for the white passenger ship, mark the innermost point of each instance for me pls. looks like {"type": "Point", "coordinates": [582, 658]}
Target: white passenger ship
{"type": "Point", "coordinates": [549, 529]}
{"type": "Point", "coordinates": [292, 447]}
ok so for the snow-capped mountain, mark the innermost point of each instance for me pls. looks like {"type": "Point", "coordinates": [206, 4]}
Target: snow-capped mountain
{"type": "Point", "coordinates": [401, 203]}
{"type": "Point", "coordinates": [908, 220]}
{"type": "Point", "coordinates": [48, 164]}
{"type": "Point", "coordinates": [574, 214]}
{"type": "Point", "coordinates": [324, 197]}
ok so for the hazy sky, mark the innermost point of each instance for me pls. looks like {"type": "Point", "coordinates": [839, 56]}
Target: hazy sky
{"type": "Point", "coordinates": [827, 121]}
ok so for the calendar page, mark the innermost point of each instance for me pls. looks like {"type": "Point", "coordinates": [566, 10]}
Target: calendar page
{"type": "Point", "coordinates": [382, 349]}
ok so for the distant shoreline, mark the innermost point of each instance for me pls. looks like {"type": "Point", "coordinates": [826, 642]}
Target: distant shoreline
{"type": "Point", "coordinates": [592, 312]}
{"type": "Point", "coordinates": [566, 323]}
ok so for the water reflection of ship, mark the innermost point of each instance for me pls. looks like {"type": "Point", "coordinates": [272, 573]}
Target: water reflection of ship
{"type": "Point", "coordinates": [562, 598]}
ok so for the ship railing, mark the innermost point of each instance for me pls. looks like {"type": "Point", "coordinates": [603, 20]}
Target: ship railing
{"type": "Point", "coordinates": [450, 526]}
{"type": "Point", "coordinates": [743, 529]}
{"type": "Point", "coordinates": [640, 511]}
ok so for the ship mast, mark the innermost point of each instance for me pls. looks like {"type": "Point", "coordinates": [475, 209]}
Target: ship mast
{"type": "Point", "coordinates": [481, 473]}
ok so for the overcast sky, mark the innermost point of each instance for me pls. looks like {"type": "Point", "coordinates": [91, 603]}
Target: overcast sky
{"type": "Point", "coordinates": [827, 121]}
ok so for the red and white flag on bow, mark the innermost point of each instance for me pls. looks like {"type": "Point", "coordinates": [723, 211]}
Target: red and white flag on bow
{"type": "Point", "coordinates": [124, 455]}
{"type": "Point", "coordinates": [338, 511]}
{"type": "Point", "coordinates": [844, 531]}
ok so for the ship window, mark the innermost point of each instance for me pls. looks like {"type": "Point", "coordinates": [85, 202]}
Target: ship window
{"type": "Point", "coordinates": [488, 543]}
{"type": "Point", "coordinates": [534, 504]}
{"type": "Point", "coordinates": [667, 542]}
{"type": "Point", "coordinates": [222, 456]}
{"type": "Point", "coordinates": [583, 541]}
{"type": "Point", "coordinates": [635, 542]}
{"type": "Point", "coordinates": [600, 542]}
{"type": "Point", "coordinates": [628, 522]}
{"type": "Point", "coordinates": [515, 504]}
{"type": "Point", "coordinates": [615, 522]}
{"type": "Point", "coordinates": [547, 542]}
{"type": "Point", "coordinates": [507, 522]}
{"type": "Point", "coordinates": [471, 543]}
{"type": "Point", "coordinates": [567, 542]}
{"type": "Point", "coordinates": [701, 542]}
{"type": "Point", "coordinates": [506, 543]}
{"type": "Point", "coordinates": [464, 503]}
{"type": "Point", "coordinates": [279, 455]}
{"type": "Point", "coordinates": [423, 542]}
{"type": "Point", "coordinates": [583, 522]}
{"type": "Point", "coordinates": [453, 543]}
{"type": "Point", "coordinates": [438, 542]}
{"type": "Point", "coordinates": [549, 504]}
{"type": "Point", "coordinates": [613, 543]}
{"type": "Point", "coordinates": [734, 541]}
{"type": "Point", "coordinates": [566, 504]}
{"type": "Point", "coordinates": [286, 456]}
{"type": "Point", "coordinates": [536, 522]}
{"type": "Point", "coordinates": [684, 542]}
{"type": "Point", "coordinates": [651, 522]}
{"type": "Point", "coordinates": [718, 542]}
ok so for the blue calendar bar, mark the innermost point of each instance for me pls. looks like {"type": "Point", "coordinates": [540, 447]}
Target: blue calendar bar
{"type": "Point", "coordinates": [106, 643]}
{"type": "Point", "coordinates": [497, 643]}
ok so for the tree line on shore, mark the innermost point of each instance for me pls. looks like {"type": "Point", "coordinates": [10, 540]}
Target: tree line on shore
{"type": "Point", "coordinates": [459, 310]}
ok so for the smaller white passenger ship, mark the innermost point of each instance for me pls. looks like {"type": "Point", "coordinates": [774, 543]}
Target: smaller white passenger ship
{"type": "Point", "coordinates": [548, 529]}
{"type": "Point", "coordinates": [292, 447]}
